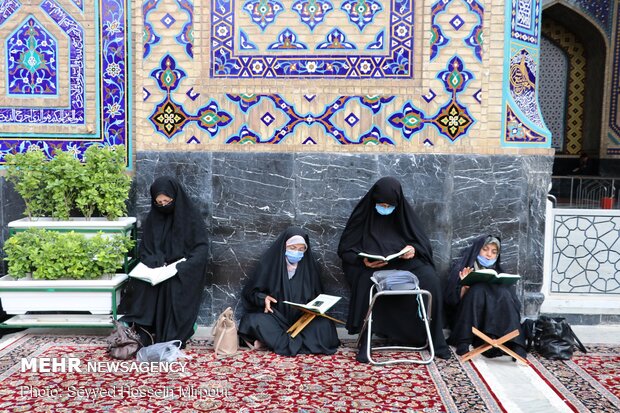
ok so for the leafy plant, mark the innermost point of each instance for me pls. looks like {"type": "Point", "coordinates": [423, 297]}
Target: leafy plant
{"type": "Point", "coordinates": [55, 255]}
{"type": "Point", "coordinates": [21, 249]}
{"type": "Point", "coordinates": [64, 180]}
{"type": "Point", "coordinates": [106, 186]}
{"type": "Point", "coordinates": [56, 187]}
{"type": "Point", "coordinates": [27, 172]}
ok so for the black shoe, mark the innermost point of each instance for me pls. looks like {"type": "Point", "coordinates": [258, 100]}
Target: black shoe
{"type": "Point", "coordinates": [444, 353]}
{"type": "Point", "coordinates": [462, 348]}
{"type": "Point", "coordinates": [146, 337]}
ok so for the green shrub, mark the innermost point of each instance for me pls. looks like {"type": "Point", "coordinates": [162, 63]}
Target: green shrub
{"type": "Point", "coordinates": [58, 186]}
{"type": "Point", "coordinates": [64, 180]}
{"type": "Point", "coordinates": [27, 172]}
{"type": "Point", "coordinates": [106, 186]}
{"type": "Point", "coordinates": [53, 255]}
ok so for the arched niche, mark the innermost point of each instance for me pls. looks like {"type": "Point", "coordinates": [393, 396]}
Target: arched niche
{"type": "Point", "coordinates": [574, 53]}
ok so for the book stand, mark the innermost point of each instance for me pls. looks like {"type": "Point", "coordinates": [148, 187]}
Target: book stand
{"type": "Point", "coordinates": [497, 343]}
{"type": "Point", "coordinates": [305, 319]}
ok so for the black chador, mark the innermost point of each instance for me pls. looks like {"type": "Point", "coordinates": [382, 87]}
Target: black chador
{"type": "Point", "coordinates": [369, 231]}
{"type": "Point", "coordinates": [171, 232]}
{"type": "Point", "coordinates": [275, 276]}
{"type": "Point", "coordinates": [493, 309]}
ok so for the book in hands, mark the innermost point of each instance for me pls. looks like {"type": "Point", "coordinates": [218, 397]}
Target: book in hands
{"type": "Point", "coordinates": [155, 275]}
{"type": "Point", "coordinates": [320, 304]}
{"type": "Point", "coordinates": [489, 276]}
{"type": "Point", "coordinates": [374, 257]}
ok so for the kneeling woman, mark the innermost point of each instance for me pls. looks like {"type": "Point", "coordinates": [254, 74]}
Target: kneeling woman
{"type": "Point", "coordinates": [287, 271]}
{"type": "Point", "coordinates": [493, 309]}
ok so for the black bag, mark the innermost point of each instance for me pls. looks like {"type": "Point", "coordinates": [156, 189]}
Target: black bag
{"type": "Point", "coordinates": [124, 342]}
{"type": "Point", "coordinates": [552, 338]}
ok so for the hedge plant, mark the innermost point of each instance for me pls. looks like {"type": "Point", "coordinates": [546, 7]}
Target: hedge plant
{"type": "Point", "coordinates": [58, 186]}
{"type": "Point", "coordinates": [27, 172]}
{"type": "Point", "coordinates": [53, 255]}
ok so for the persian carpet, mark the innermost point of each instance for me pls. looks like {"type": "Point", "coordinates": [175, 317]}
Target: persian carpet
{"type": "Point", "coordinates": [250, 381]}
{"type": "Point", "coordinates": [590, 382]}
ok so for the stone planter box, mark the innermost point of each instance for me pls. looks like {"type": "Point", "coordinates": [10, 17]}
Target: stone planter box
{"type": "Point", "coordinates": [95, 296]}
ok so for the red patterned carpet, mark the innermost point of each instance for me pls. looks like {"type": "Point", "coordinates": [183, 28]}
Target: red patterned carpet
{"type": "Point", "coordinates": [590, 382]}
{"type": "Point", "coordinates": [247, 382]}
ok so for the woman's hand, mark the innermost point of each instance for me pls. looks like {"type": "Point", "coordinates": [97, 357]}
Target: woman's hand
{"type": "Point", "coordinates": [268, 300]}
{"type": "Point", "coordinates": [465, 272]}
{"type": "Point", "coordinates": [409, 254]}
{"type": "Point", "coordinates": [374, 264]}
{"type": "Point", "coordinates": [462, 274]}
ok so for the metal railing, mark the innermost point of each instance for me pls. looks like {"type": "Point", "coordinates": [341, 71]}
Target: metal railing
{"type": "Point", "coordinates": [587, 192]}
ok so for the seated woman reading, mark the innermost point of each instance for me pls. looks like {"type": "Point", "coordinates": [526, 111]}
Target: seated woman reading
{"type": "Point", "coordinates": [287, 271]}
{"type": "Point", "coordinates": [383, 223]}
{"type": "Point", "coordinates": [173, 229]}
{"type": "Point", "coordinates": [494, 309]}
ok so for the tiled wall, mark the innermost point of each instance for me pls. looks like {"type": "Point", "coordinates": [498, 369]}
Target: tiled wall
{"type": "Point", "coordinates": [380, 76]}
{"type": "Point", "coordinates": [65, 75]}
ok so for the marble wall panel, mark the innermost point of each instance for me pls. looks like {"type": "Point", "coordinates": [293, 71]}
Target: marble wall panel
{"type": "Point", "coordinates": [248, 198]}
{"type": "Point", "coordinates": [253, 201]}
{"type": "Point", "coordinates": [487, 197]}
{"type": "Point", "coordinates": [328, 188]}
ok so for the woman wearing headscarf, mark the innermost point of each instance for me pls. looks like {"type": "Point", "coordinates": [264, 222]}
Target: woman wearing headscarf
{"type": "Point", "coordinates": [493, 309]}
{"type": "Point", "coordinates": [173, 229]}
{"type": "Point", "coordinates": [287, 271]}
{"type": "Point", "coordinates": [383, 223]}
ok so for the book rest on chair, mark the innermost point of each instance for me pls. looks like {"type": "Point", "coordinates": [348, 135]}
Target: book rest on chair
{"type": "Point", "coordinates": [490, 343]}
{"type": "Point", "coordinates": [305, 319]}
{"type": "Point", "coordinates": [390, 283]}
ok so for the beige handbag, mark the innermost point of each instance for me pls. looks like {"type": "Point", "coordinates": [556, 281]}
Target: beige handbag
{"type": "Point", "coordinates": [225, 339]}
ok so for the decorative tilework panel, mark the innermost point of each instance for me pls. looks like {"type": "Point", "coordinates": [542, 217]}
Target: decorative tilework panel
{"type": "Point", "coordinates": [7, 8]}
{"type": "Point", "coordinates": [525, 20]}
{"type": "Point", "coordinates": [552, 76]}
{"type": "Point", "coordinates": [91, 105]}
{"type": "Point", "coordinates": [522, 121]}
{"type": "Point", "coordinates": [438, 37]}
{"type": "Point", "coordinates": [517, 131]}
{"type": "Point", "coordinates": [21, 114]}
{"type": "Point", "coordinates": [576, 85]}
{"type": "Point", "coordinates": [522, 78]}
{"type": "Point", "coordinates": [32, 61]}
{"type": "Point", "coordinates": [274, 118]}
{"type": "Point", "coordinates": [311, 39]}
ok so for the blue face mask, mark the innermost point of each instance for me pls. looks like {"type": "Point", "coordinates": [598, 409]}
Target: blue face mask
{"type": "Point", "coordinates": [294, 256]}
{"type": "Point", "coordinates": [384, 210]}
{"type": "Point", "coordinates": [485, 262]}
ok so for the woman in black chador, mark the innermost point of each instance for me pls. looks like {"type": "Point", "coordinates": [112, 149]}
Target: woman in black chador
{"type": "Point", "coordinates": [174, 229]}
{"type": "Point", "coordinates": [383, 223]}
{"type": "Point", "coordinates": [493, 309]}
{"type": "Point", "coordinates": [287, 271]}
